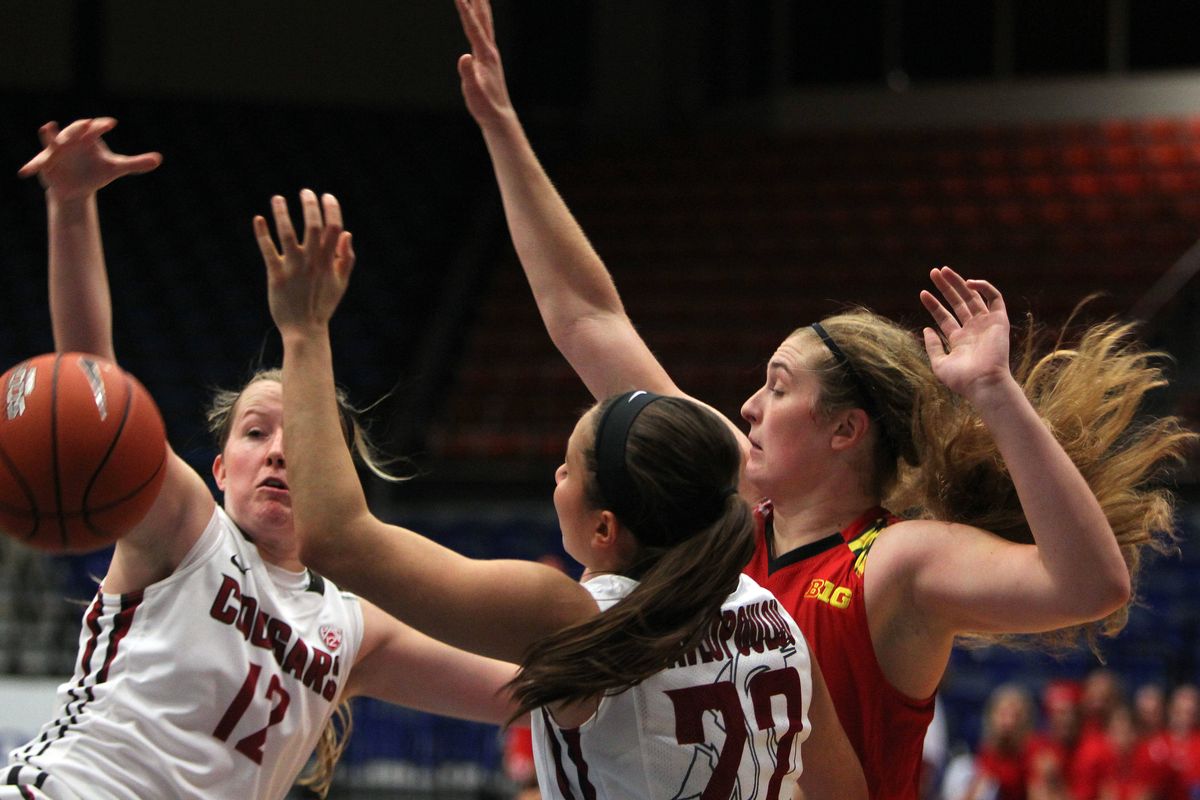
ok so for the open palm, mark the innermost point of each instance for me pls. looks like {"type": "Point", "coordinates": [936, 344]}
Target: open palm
{"type": "Point", "coordinates": [306, 280]}
{"type": "Point", "coordinates": [972, 352]}
{"type": "Point", "coordinates": [483, 83]}
{"type": "Point", "coordinates": [75, 162]}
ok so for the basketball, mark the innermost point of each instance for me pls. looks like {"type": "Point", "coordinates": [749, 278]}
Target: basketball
{"type": "Point", "coordinates": [82, 452]}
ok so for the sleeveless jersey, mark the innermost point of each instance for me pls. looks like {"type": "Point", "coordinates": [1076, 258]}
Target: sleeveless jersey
{"type": "Point", "coordinates": [726, 719]}
{"type": "Point", "coordinates": [821, 585]}
{"type": "Point", "coordinates": [213, 683]}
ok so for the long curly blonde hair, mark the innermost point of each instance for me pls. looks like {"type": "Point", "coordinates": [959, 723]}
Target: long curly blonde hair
{"type": "Point", "coordinates": [318, 777]}
{"type": "Point", "coordinates": [934, 457]}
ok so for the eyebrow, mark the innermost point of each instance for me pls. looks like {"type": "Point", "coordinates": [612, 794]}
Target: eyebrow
{"type": "Point", "coordinates": [254, 411]}
{"type": "Point", "coordinates": [779, 365]}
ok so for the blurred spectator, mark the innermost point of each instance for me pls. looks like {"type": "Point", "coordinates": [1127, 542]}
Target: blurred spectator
{"type": "Point", "coordinates": [1052, 764]}
{"type": "Point", "coordinates": [934, 752]}
{"type": "Point", "coordinates": [1120, 765]}
{"type": "Point", "coordinates": [999, 769]}
{"type": "Point", "coordinates": [1150, 710]}
{"type": "Point", "coordinates": [518, 762]}
{"type": "Point", "coordinates": [1003, 750]}
{"type": "Point", "coordinates": [1183, 735]}
{"type": "Point", "coordinates": [1102, 693]}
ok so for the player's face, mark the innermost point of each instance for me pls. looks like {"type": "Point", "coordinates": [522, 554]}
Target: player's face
{"type": "Point", "coordinates": [789, 440]}
{"type": "Point", "coordinates": [250, 470]}
{"type": "Point", "coordinates": [576, 516]}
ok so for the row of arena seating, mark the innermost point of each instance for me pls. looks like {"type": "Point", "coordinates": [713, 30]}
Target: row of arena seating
{"type": "Point", "coordinates": [723, 244]}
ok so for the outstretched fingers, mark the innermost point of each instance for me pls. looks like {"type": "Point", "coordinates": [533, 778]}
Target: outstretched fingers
{"type": "Point", "coordinates": [311, 211]}
{"type": "Point", "coordinates": [946, 322]}
{"type": "Point", "coordinates": [48, 136]}
{"type": "Point", "coordinates": [343, 261]}
{"type": "Point", "coordinates": [476, 18]}
{"type": "Point", "coordinates": [266, 245]}
{"type": "Point", "coordinates": [332, 229]}
{"type": "Point", "coordinates": [283, 225]}
{"type": "Point", "coordinates": [989, 295]}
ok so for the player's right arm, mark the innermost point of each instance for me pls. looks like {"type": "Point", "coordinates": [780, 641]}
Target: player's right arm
{"type": "Point", "coordinates": [496, 608]}
{"type": "Point", "coordinates": [575, 294]}
{"type": "Point", "coordinates": [73, 165]}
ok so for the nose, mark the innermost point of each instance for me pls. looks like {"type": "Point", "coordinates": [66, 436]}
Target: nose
{"type": "Point", "coordinates": [559, 473]}
{"type": "Point", "coordinates": [275, 449]}
{"type": "Point", "coordinates": [750, 408]}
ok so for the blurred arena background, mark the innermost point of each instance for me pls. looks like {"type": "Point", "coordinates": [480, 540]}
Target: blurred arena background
{"type": "Point", "coordinates": [825, 154]}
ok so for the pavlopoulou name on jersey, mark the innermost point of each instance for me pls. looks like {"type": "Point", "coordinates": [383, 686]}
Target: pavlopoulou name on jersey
{"type": "Point", "coordinates": [755, 627]}
{"type": "Point", "coordinates": [312, 666]}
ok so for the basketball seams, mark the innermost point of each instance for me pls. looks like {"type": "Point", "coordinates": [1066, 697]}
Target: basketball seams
{"type": "Point", "coordinates": [58, 505]}
{"type": "Point", "coordinates": [85, 508]}
{"type": "Point", "coordinates": [63, 470]}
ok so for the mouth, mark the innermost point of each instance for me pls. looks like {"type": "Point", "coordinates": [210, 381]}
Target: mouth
{"type": "Point", "coordinates": [273, 483]}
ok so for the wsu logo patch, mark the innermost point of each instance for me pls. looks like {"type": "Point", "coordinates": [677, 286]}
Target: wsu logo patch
{"type": "Point", "coordinates": [332, 637]}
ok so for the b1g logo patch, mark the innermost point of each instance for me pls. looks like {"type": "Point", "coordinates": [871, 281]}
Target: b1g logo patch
{"type": "Point", "coordinates": [332, 637]}
{"type": "Point", "coordinates": [829, 592]}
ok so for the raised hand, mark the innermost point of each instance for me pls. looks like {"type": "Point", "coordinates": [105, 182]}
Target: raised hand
{"type": "Point", "coordinates": [972, 354]}
{"type": "Point", "coordinates": [306, 281]}
{"type": "Point", "coordinates": [75, 162]}
{"type": "Point", "coordinates": [483, 84]}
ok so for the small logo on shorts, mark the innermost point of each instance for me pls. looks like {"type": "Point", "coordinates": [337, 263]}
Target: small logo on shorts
{"type": "Point", "coordinates": [332, 637]}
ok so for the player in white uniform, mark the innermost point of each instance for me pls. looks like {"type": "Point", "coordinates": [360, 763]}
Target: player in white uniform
{"type": "Point", "coordinates": [691, 682]}
{"type": "Point", "coordinates": [746, 688]}
{"type": "Point", "coordinates": [211, 661]}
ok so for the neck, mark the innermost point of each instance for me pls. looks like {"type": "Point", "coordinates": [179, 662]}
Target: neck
{"type": "Point", "coordinates": [800, 523]}
{"type": "Point", "coordinates": [281, 556]}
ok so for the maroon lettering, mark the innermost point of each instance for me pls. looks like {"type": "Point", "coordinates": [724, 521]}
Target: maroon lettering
{"type": "Point", "coordinates": [258, 635]}
{"type": "Point", "coordinates": [296, 659]}
{"type": "Point", "coordinates": [318, 669]}
{"type": "Point", "coordinates": [279, 632]}
{"type": "Point", "coordinates": [222, 610]}
{"type": "Point", "coordinates": [246, 616]}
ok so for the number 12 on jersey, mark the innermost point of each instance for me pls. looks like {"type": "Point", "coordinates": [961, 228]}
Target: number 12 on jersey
{"type": "Point", "coordinates": [252, 746]}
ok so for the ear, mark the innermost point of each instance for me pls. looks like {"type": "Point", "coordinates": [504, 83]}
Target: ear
{"type": "Point", "coordinates": [850, 428]}
{"type": "Point", "coordinates": [604, 535]}
{"type": "Point", "coordinates": [218, 471]}
{"type": "Point", "coordinates": [612, 543]}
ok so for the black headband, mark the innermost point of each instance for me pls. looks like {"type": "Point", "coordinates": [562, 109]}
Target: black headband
{"type": "Point", "coordinates": [864, 388]}
{"type": "Point", "coordinates": [612, 433]}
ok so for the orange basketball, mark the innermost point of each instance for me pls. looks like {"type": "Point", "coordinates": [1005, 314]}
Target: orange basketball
{"type": "Point", "coordinates": [82, 452]}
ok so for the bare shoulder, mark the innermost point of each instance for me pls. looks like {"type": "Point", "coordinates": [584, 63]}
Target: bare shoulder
{"type": "Point", "coordinates": [158, 544]}
{"type": "Point", "coordinates": [908, 543]}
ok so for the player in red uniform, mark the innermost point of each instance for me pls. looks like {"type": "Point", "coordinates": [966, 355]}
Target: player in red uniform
{"type": "Point", "coordinates": [854, 416]}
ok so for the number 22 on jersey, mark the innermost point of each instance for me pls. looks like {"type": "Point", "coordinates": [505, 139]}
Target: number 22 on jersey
{"type": "Point", "coordinates": [722, 698]}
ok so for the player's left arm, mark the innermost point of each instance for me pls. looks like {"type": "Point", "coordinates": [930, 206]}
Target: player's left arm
{"type": "Point", "coordinates": [1074, 572]}
{"type": "Point", "coordinates": [400, 665]}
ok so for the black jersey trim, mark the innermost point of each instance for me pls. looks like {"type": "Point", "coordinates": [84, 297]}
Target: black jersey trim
{"type": "Point", "coordinates": [804, 551]}
{"type": "Point", "coordinates": [315, 583]}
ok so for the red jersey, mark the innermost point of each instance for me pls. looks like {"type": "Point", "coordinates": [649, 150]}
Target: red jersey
{"type": "Point", "coordinates": [1006, 770]}
{"type": "Point", "coordinates": [1144, 772]}
{"type": "Point", "coordinates": [1054, 763]}
{"type": "Point", "coordinates": [821, 585]}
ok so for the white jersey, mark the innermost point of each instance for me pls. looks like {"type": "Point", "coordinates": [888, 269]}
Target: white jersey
{"type": "Point", "coordinates": [213, 683]}
{"type": "Point", "coordinates": [726, 720]}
